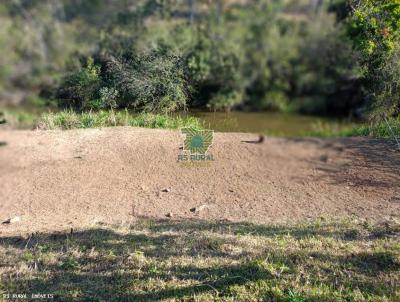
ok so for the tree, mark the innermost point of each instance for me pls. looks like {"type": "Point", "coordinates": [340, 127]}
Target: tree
{"type": "Point", "coordinates": [375, 30]}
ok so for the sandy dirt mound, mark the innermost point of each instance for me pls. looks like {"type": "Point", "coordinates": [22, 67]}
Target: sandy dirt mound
{"type": "Point", "coordinates": [56, 180]}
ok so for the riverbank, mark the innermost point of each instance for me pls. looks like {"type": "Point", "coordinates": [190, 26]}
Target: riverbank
{"type": "Point", "coordinates": [68, 119]}
{"type": "Point", "coordinates": [267, 123]}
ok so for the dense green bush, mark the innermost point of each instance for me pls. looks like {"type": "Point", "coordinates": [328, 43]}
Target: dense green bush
{"type": "Point", "coordinates": [375, 26]}
{"type": "Point", "coordinates": [151, 82]}
{"type": "Point", "coordinates": [385, 87]}
{"type": "Point", "coordinates": [163, 56]}
{"type": "Point", "coordinates": [214, 71]}
{"type": "Point", "coordinates": [245, 60]}
{"type": "Point", "coordinates": [375, 30]}
{"type": "Point", "coordinates": [306, 66]}
{"type": "Point", "coordinates": [225, 100]}
{"type": "Point", "coordinates": [80, 90]}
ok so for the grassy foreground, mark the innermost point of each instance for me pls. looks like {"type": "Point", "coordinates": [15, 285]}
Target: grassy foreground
{"type": "Point", "coordinates": [350, 260]}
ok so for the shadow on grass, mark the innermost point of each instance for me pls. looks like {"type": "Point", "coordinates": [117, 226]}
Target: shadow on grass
{"type": "Point", "coordinates": [343, 230]}
{"type": "Point", "coordinates": [157, 260]}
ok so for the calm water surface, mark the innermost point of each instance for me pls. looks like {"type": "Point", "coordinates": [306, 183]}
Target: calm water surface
{"type": "Point", "coordinates": [264, 122]}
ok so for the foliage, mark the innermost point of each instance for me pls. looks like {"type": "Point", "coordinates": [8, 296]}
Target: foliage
{"type": "Point", "coordinates": [70, 120]}
{"type": "Point", "coordinates": [80, 89]}
{"type": "Point", "coordinates": [163, 56]}
{"type": "Point", "coordinates": [385, 87]}
{"type": "Point", "coordinates": [18, 119]}
{"type": "Point", "coordinates": [375, 30]}
{"type": "Point", "coordinates": [387, 129]}
{"type": "Point", "coordinates": [108, 97]}
{"type": "Point", "coordinates": [225, 101]}
{"type": "Point", "coordinates": [152, 82]}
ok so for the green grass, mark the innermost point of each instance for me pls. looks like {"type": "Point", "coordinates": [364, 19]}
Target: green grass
{"type": "Point", "coordinates": [377, 130]}
{"type": "Point", "coordinates": [350, 260]}
{"type": "Point", "coordinates": [71, 120]}
{"type": "Point", "coordinates": [68, 119]}
{"type": "Point", "coordinates": [383, 129]}
{"type": "Point", "coordinates": [20, 119]}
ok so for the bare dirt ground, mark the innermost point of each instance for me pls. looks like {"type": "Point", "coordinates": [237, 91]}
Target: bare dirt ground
{"type": "Point", "coordinates": [56, 180]}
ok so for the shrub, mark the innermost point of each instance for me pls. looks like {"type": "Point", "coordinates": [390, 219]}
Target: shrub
{"type": "Point", "coordinates": [152, 82]}
{"type": "Point", "coordinates": [385, 87]}
{"type": "Point", "coordinates": [375, 30]}
{"type": "Point", "coordinates": [275, 101]}
{"type": "Point", "coordinates": [225, 100]}
{"type": "Point", "coordinates": [108, 97]}
{"type": "Point", "coordinates": [80, 89]}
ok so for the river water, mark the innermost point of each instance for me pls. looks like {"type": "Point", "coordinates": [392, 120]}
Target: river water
{"type": "Point", "coordinates": [265, 122]}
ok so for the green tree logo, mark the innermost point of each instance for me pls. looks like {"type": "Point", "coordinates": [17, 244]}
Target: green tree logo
{"type": "Point", "coordinates": [197, 141]}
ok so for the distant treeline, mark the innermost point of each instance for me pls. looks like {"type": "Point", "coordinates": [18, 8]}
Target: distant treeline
{"type": "Point", "coordinates": [333, 57]}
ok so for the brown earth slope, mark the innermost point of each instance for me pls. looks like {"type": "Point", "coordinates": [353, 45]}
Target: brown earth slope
{"type": "Point", "coordinates": [55, 180]}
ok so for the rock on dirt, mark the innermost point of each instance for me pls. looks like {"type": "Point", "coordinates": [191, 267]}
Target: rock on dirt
{"type": "Point", "coordinates": [324, 158]}
{"type": "Point", "coordinates": [199, 208]}
{"type": "Point", "coordinates": [12, 220]}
